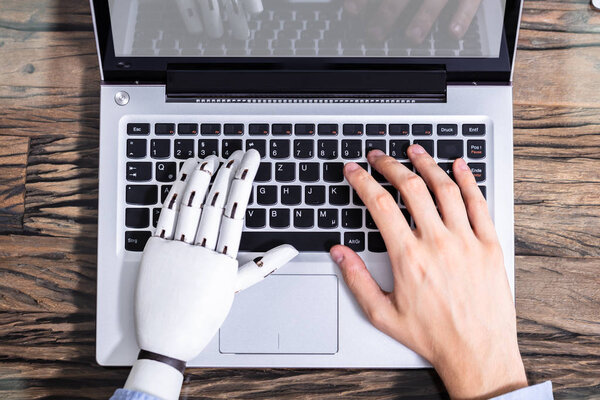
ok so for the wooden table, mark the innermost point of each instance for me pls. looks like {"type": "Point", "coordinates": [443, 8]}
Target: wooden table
{"type": "Point", "coordinates": [49, 83]}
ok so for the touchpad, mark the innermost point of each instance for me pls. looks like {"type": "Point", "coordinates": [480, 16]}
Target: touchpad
{"type": "Point", "coordinates": [284, 314]}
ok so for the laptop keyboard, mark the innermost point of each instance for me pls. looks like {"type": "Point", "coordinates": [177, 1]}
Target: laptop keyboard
{"type": "Point", "coordinates": [313, 29]}
{"type": "Point", "coordinates": [300, 195]}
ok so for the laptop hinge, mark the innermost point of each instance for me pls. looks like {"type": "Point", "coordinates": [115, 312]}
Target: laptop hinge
{"type": "Point", "coordinates": [227, 84]}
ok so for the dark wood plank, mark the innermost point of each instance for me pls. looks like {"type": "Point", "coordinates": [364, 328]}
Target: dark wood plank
{"type": "Point", "coordinates": [13, 166]}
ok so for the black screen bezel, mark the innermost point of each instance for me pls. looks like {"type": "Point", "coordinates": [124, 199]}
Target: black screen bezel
{"type": "Point", "coordinates": [154, 69]}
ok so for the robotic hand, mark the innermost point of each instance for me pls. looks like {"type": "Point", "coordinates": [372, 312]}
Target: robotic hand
{"type": "Point", "coordinates": [206, 16]}
{"type": "Point", "coordinates": [189, 273]}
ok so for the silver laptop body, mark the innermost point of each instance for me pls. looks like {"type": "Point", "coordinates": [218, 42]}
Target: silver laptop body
{"type": "Point", "coordinates": [308, 110]}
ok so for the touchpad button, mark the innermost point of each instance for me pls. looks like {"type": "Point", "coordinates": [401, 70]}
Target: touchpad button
{"type": "Point", "coordinates": [284, 314]}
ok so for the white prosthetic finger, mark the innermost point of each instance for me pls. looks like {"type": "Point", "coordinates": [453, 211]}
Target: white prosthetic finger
{"type": "Point", "coordinates": [211, 16]}
{"type": "Point", "coordinates": [237, 202]}
{"type": "Point", "coordinates": [258, 269]}
{"type": "Point", "coordinates": [237, 20]}
{"type": "Point", "coordinates": [165, 227]}
{"type": "Point", "coordinates": [192, 200]}
{"type": "Point", "coordinates": [253, 6]}
{"type": "Point", "coordinates": [212, 211]}
{"type": "Point", "coordinates": [190, 15]}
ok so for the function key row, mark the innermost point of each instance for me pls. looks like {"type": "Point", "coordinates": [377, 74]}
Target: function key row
{"type": "Point", "coordinates": [215, 129]}
{"type": "Point", "coordinates": [302, 149]}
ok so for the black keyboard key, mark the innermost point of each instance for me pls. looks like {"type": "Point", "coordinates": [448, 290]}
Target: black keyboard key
{"type": "Point", "coordinates": [355, 241]}
{"type": "Point", "coordinates": [164, 129]}
{"type": "Point", "coordinates": [184, 149]}
{"type": "Point", "coordinates": [351, 218]}
{"type": "Point", "coordinates": [259, 145]}
{"type": "Point", "coordinates": [328, 129]}
{"type": "Point", "coordinates": [281, 129]}
{"type": "Point", "coordinates": [304, 129]}
{"type": "Point", "coordinates": [476, 149]}
{"type": "Point", "coordinates": [392, 191]}
{"type": "Point", "coordinates": [155, 216]}
{"type": "Point", "coordinates": [422, 129]}
{"type": "Point", "coordinates": [137, 218]}
{"type": "Point", "coordinates": [333, 172]}
{"type": "Point", "coordinates": [280, 148]}
{"type": "Point", "coordinates": [164, 192]}
{"type": "Point", "coordinates": [483, 191]}
{"type": "Point", "coordinates": [351, 149]}
{"type": "Point", "coordinates": [327, 149]}
{"type": "Point", "coordinates": [233, 129]}
{"type": "Point", "coordinates": [353, 129]}
{"type": "Point", "coordinates": [427, 145]}
{"type": "Point", "coordinates": [279, 218]}
{"type": "Point", "coordinates": [210, 129]}
{"type": "Point", "coordinates": [266, 195]}
{"type": "Point", "coordinates": [136, 148]}
{"type": "Point", "coordinates": [376, 130]}
{"type": "Point", "coordinates": [302, 241]}
{"type": "Point", "coordinates": [406, 215]}
{"type": "Point", "coordinates": [447, 130]}
{"type": "Point", "coordinates": [187, 129]}
{"type": "Point", "coordinates": [142, 195]}
{"type": "Point", "coordinates": [304, 149]}
{"type": "Point", "coordinates": [139, 171]}
{"type": "Point", "coordinates": [256, 218]}
{"type": "Point", "coordinates": [138, 129]}
{"type": "Point", "coordinates": [339, 195]}
{"type": "Point", "coordinates": [399, 129]}
{"type": "Point", "coordinates": [304, 218]}
{"type": "Point", "coordinates": [309, 172]}
{"type": "Point", "coordinates": [478, 170]}
{"type": "Point", "coordinates": [258, 129]}
{"type": "Point", "coordinates": [473, 130]}
{"type": "Point", "coordinates": [314, 195]}
{"type": "Point", "coordinates": [356, 199]}
{"type": "Point", "coordinates": [285, 172]}
{"type": "Point", "coordinates": [136, 240]}
{"type": "Point", "coordinates": [166, 171]}
{"type": "Point", "coordinates": [398, 149]}
{"type": "Point", "coordinates": [447, 168]}
{"type": "Point", "coordinates": [377, 176]}
{"type": "Point", "coordinates": [291, 195]}
{"type": "Point", "coordinates": [229, 146]}
{"type": "Point", "coordinates": [160, 148]}
{"type": "Point", "coordinates": [264, 173]}
{"type": "Point", "coordinates": [376, 243]}
{"type": "Point", "coordinates": [369, 221]}
{"type": "Point", "coordinates": [450, 149]}
{"type": "Point", "coordinates": [207, 147]}
{"type": "Point", "coordinates": [373, 145]}
{"type": "Point", "coordinates": [327, 218]}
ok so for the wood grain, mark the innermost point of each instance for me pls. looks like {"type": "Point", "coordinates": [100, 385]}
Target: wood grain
{"type": "Point", "coordinates": [49, 87]}
{"type": "Point", "coordinates": [13, 164]}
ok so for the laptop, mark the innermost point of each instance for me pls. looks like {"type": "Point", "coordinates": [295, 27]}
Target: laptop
{"type": "Point", "coordinates": [311, 87]}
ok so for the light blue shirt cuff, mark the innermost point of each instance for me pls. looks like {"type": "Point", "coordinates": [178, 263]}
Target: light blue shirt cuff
{"type": "Point", "coordinates": [123, 394]}
{"type": "Point", "coordinates": [542, 391]}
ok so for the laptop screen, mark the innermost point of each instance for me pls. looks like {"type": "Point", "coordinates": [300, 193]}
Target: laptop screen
{"type": "Point", "coordinates": [452, 29]}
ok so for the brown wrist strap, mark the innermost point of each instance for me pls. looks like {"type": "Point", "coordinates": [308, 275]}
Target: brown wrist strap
{"type": "Point", "coordinates": [173, 362]}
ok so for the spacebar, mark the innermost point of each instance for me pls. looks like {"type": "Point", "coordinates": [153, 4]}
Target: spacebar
{"type": "Point", "coordinates": [302, 241]}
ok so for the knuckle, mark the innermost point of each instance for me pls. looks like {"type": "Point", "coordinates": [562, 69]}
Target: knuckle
{"type": "Point", "coordinates": [414, 182]}
{"type": "Point", "coordinates": [449, 189]}
{"type": "Point", "coordinates": [384, 202]}
{"type": "Point", "coordinates": [377, 316]}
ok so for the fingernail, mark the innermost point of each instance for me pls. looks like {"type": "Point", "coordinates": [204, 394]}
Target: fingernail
{"type": "Point", "coordinates": [462, 165]}
{"type": "Point", "coordinates": [351, 167]}
{"type": "Point", "coordinates": [456, 29]}
{"type": "Point", "coordinates": [337, 255]}
{"type": "Point", "coordinates": [417, 149]}
{"type": "Point", "coordinates": [376, 153]}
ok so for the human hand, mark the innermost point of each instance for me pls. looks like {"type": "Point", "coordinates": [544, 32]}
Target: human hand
{"type": "Point", "coordinates": [387, 12]}
{"type": "Point", "coordinates": [189, 272]}
{"type": "Point", "coordinates": [206, 16]}
{"type": "Point", "coordinates": [451, 301]}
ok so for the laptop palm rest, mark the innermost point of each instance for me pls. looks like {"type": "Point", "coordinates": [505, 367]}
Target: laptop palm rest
{"type": "Point", "coordinates": [284, 314]}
